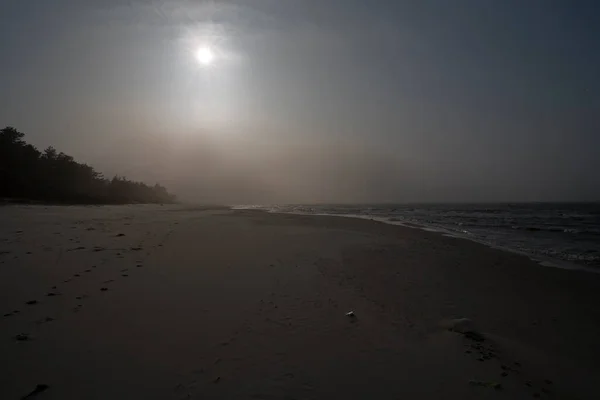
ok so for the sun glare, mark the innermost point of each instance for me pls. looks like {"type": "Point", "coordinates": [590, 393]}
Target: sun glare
{"type": "Point", "coordinates": [205, 56]}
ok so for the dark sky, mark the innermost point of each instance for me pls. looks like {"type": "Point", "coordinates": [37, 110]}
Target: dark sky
{"type": "Point", "coordinates": [315, 100]}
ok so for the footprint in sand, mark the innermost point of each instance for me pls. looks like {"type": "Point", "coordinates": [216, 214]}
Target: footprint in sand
{"type": "Point", "coordinates": [44, 321]}
{"type": "Point", "coordinates": [23, 337]}
{"type": "Point", "coordinates": [77, 248]}
{"type": "Point", "coordinates": [38, 389]}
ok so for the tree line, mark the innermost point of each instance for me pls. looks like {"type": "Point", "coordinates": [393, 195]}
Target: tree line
{"type": "Point", "coordinates": [52, 176]}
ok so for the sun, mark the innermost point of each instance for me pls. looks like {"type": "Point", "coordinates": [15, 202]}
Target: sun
{"type": "Point", "coordinates": [205, 56]}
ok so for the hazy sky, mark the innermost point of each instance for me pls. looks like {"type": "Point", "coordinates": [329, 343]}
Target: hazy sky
{"type": "Point", "coordinates": [315, 100]}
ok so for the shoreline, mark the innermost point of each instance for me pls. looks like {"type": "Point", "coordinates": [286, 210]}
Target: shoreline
{"type": "Point", "coordinates": [541, 260]}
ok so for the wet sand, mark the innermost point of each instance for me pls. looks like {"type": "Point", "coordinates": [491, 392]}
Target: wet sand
{"type": "Point", "coordinates": [181, 302]}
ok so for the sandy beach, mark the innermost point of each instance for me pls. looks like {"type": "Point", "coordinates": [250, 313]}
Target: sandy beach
{"type": "Point", "coordinates": [181, 302]}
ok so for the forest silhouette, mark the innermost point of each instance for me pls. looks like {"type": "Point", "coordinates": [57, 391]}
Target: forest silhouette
{"type": "Point", "coordinates": [26, 174]}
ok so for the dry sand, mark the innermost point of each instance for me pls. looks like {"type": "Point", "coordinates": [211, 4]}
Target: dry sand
{"type": "Point", "coordinates": [174, 302]}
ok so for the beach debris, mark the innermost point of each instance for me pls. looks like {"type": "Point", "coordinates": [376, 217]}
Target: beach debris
{"type": "Point", "coordinates": [22, 337]}
{"type": "Point", "coordinates": [350, 314]}
{"type": "Point", "coordinates": [547, 381]}
{"type": "Point", "coordinates": [217, 379]}
{"type": "Point", "coordinates": [466, 327]}
{"type": "Point", "coordinates": [38, 389]}
{"type": "Point", "coordinates": [103, 289]}
{"type": "Point", "coordinates": [124, 275]}
{"type": "Point", "coordinates": [504, 374]}
{"type": "Point", "coordinates": [31, 302]}
{"type": "Point", "coordinates": [120, 234]}
{"type": "Point", "coordinates": [460, 325]}
{"type": "Point", "coordinates": [52, 294]}
{"type": "Point", "coordinates": [476, 336]}
{"type": "Point", "coordinates": [488, 384]}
